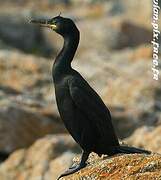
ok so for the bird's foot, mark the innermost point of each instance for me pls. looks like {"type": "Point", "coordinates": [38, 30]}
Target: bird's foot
{"type": "Point", "coordinates": [72, 170]}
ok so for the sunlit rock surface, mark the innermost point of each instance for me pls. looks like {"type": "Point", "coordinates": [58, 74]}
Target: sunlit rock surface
{"type": "Point", "coordinates": [142, 136]}
{"type": "Point", "coordinates": [132, 166]}
{"type": "Point", "coordinates": [45, 159]}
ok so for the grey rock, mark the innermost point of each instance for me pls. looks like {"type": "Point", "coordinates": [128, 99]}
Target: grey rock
{"type": "Point", "coordinates": [16, 32]}
{"type": "Point", "coordinates": [129, 35]}
{"type": "Point", "coordinates": [20, 127]}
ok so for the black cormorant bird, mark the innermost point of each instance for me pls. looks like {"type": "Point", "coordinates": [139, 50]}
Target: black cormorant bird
{"type": "Point", "coordinates": [83, 112]}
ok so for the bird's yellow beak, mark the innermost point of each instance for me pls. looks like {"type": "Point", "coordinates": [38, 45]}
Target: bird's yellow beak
{"type": "Point", "coordinates": [44, 23]}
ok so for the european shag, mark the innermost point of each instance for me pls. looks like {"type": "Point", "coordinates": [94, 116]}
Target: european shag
{"type": "Point", "coordinates": [83, 112]}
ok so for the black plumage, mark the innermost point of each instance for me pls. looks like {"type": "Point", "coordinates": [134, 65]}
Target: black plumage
{"type": "Point", "coordinates": [83, 112]}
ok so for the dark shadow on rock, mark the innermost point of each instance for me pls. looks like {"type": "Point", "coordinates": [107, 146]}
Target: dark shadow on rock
{"type": "Point", "coordinates": [130, 35]}
{"type": "Point", "coordinates": [3, 156]}
{"type": "Point", "coordinates": [9, 90]}
{"type": "Point", "coordinates": [124, 124]}
{"type": "Point", "coordinates": [157, 99]}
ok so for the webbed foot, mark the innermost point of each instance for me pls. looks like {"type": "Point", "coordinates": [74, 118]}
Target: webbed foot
{"type": "Point", "coordinates": [72, 170]}
{"type": "Point", "coordinates": [76, 168]}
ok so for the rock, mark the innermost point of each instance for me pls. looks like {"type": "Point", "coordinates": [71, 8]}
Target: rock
{"type": "Point", "coordinates": [67, 2]}
{"type": "Point", "coordinates": [59, 165]}
{"type": "Point", "coordinates": [124, 123]}
{"type": "Point", "coordinates": [126, 90]}
{"type": "Point", "coordinates": [135, 12]}
{"type": "Point", "coordinates": [128, 34]}
{"type": "Point", "coordinates": [20, 71]}
{"type": "Point", "coordinates": [27, 105]}
{"type": "Point", "coordinates": [129, 166]}
{"type": "Point", "coordinates": [20, 127]}
{"type": "Point", "coordinates": [16, 32]}
{"type": "Point", "coordinates": [147, 137]}
{"type": "Point", "coordinates": [141, 52]}
{"type": "Point", "coordinates": [46, 158]}
{"type": "Point", "coordinates": [26, 79]}
{"type": "Point", "coordinates": [113, 33]}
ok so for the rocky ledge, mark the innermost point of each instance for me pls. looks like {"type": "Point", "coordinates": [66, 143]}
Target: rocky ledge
{"type": "Point", "coordinates": [125, 166]}
{"type": "Point", "coordinates": [47, 158]}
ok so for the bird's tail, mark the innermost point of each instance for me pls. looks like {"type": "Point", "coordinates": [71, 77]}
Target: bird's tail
{"type": "Point", "coordinates": [130, 150]}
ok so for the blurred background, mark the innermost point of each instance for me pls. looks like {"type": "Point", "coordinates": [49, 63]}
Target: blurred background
{"type": "Point", "coordinates": [114, 56]}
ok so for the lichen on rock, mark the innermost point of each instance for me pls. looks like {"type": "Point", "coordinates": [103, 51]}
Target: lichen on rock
{"type": "Point", "coordinates": [123, 166]}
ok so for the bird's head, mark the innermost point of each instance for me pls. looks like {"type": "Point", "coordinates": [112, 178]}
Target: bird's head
{"type": "Point", "coordinates": [59, 24]}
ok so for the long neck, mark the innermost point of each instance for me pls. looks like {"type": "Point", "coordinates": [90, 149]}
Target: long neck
{"type": "Point", "coordinates": [65, 57]}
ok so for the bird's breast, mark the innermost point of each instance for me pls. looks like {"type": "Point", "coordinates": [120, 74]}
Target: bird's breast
{"type": "Point", "coordinates": [63, 98]}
